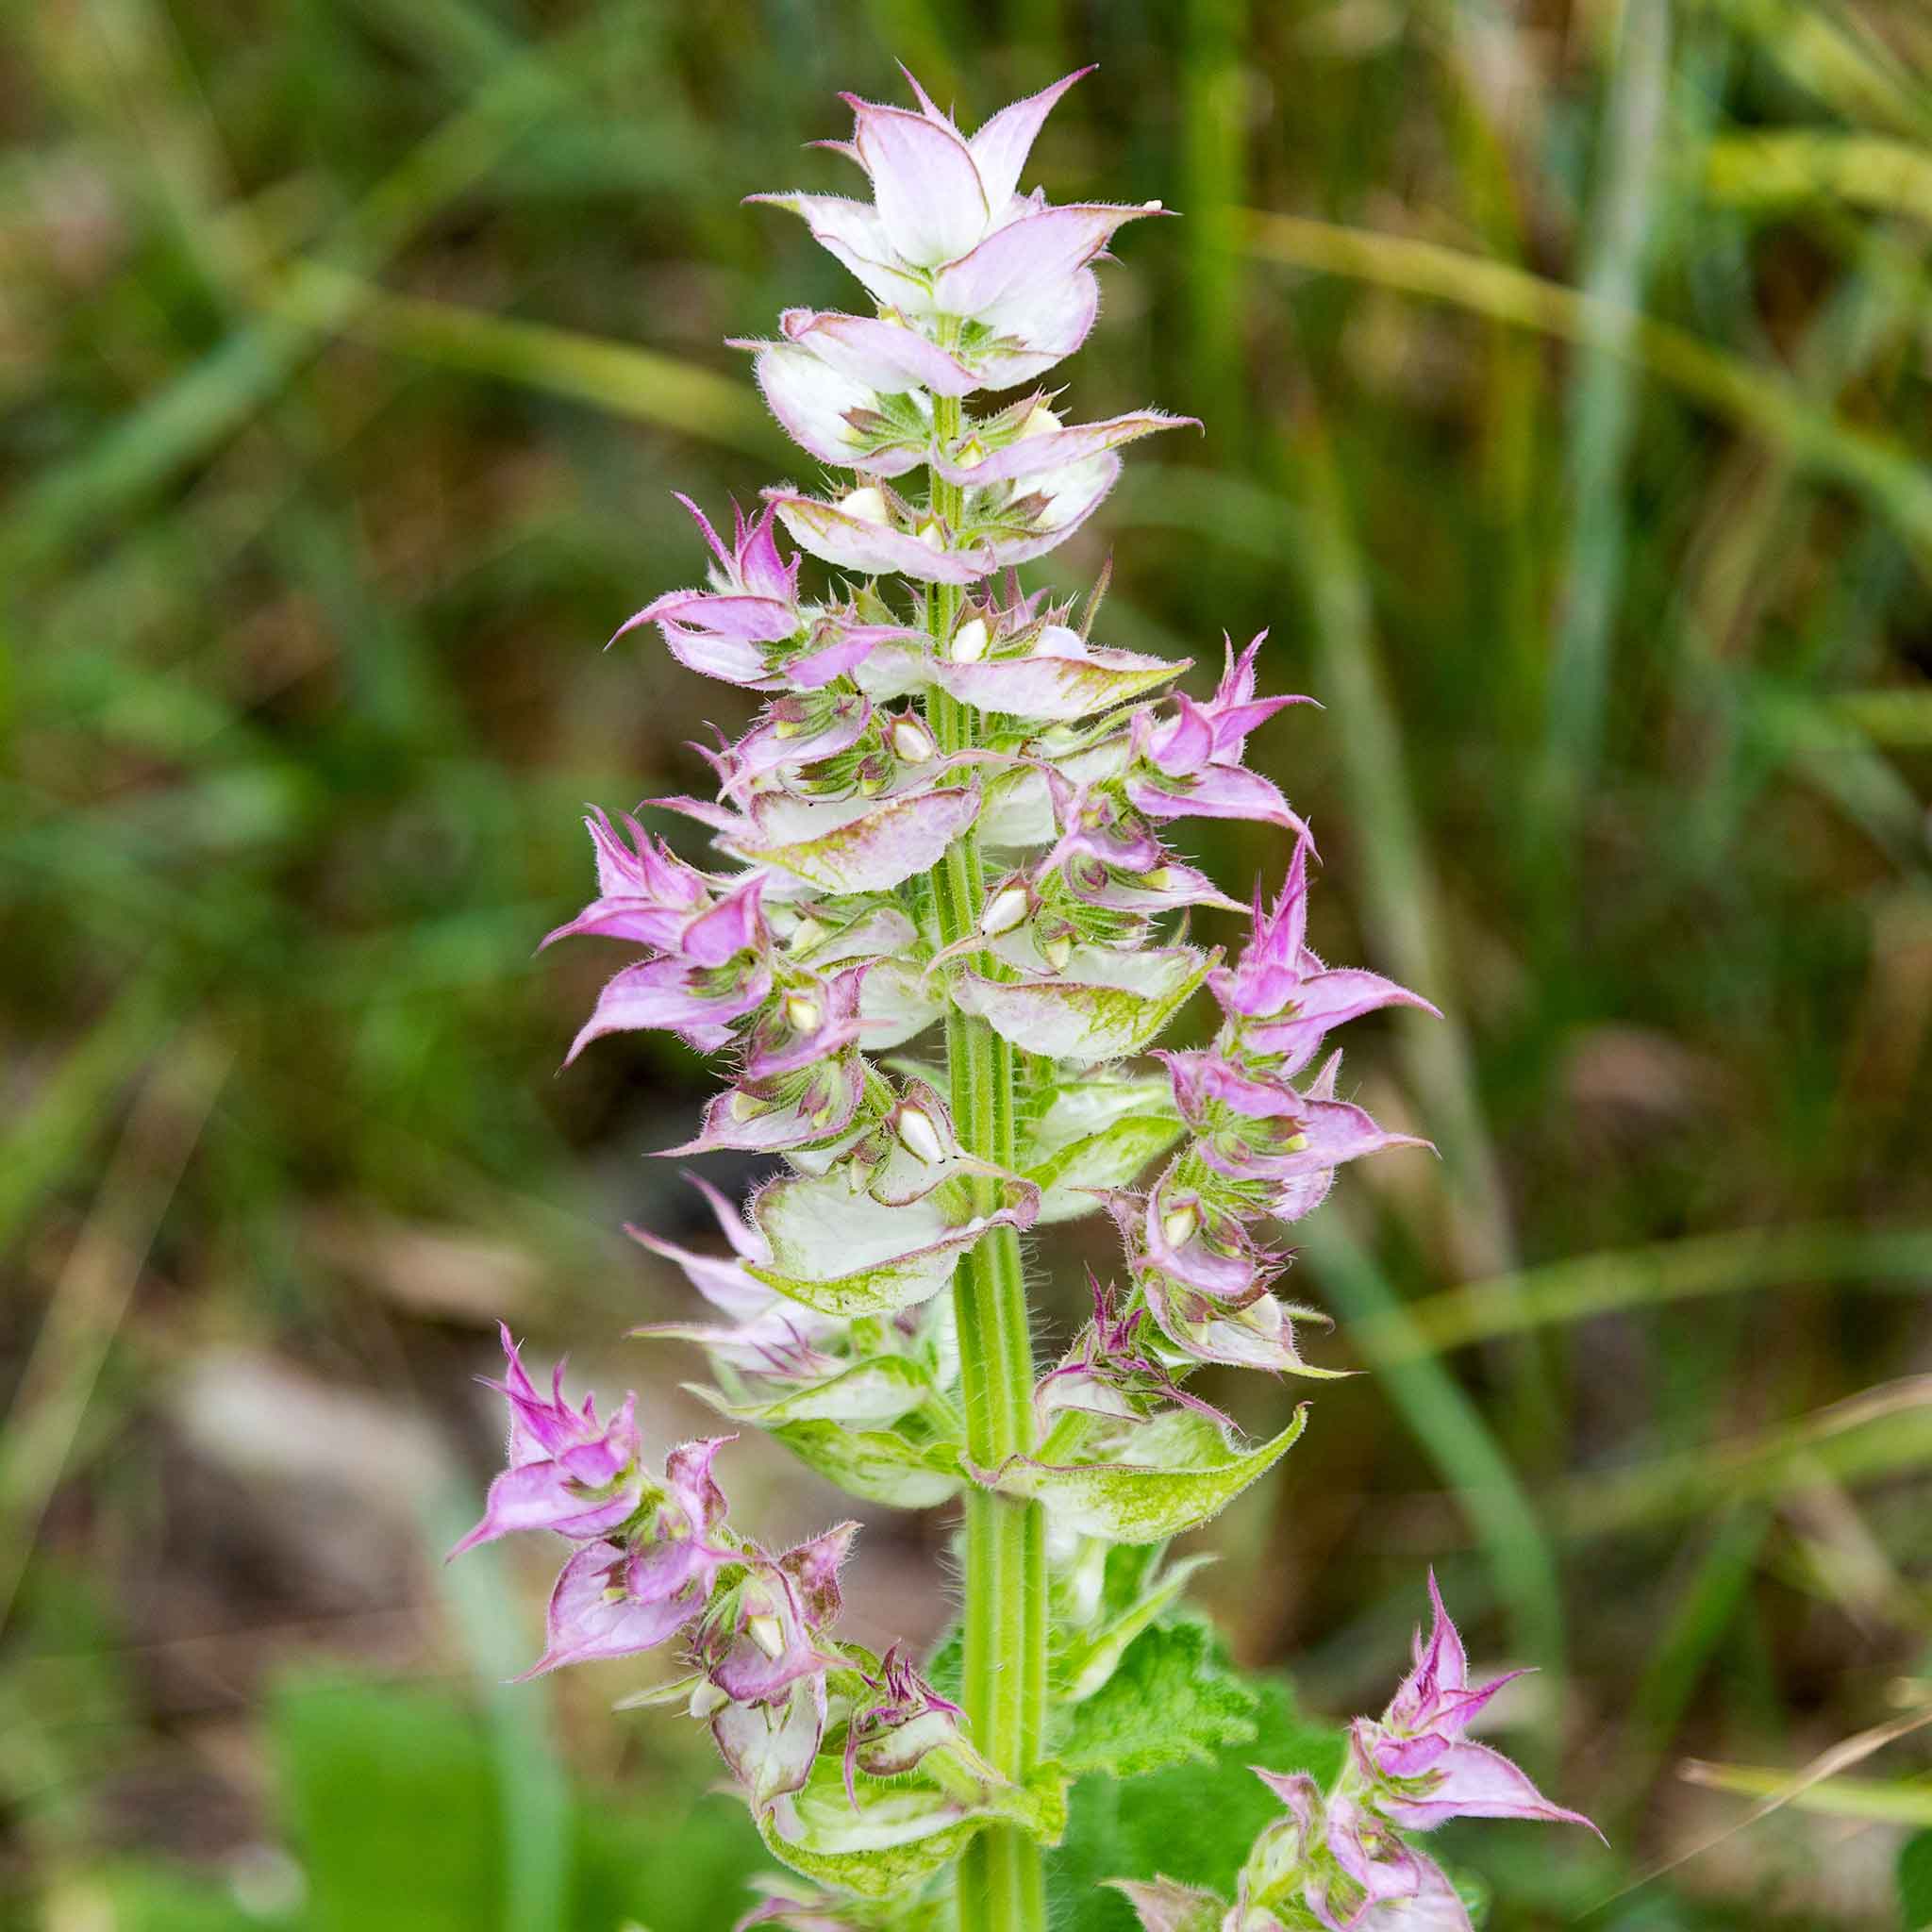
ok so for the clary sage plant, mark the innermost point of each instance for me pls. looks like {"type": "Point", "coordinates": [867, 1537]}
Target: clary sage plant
{"type": "Point", "coordinates": [943, 928]}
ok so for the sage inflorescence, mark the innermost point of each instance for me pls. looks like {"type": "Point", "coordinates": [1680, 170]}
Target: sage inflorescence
{"type": "Point", "coordinates": [949, 822]}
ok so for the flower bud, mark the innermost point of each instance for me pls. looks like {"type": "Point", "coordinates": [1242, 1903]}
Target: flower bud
{"type": "Point", "coordinates": [1177, 1226]}
{"type": "Point", "coordinates": [918, 1135]}
{"type": "Point", "coordinates": [802, 1014]}
{"type": "Point", "coordinates": [931, 535]}
{"type": "Point", "coordinates": [1004, 910]}
{"type": "Point", "coordinates": [768, 1633]}
{"type": "Point", "coordinates": [968, 642]}
{"type": "Point", "coordinates": [911, 741]}
{"type": "Point", "coordinates": [867, 504]}
{"type": "Point", "coordinates": [1040, 421]}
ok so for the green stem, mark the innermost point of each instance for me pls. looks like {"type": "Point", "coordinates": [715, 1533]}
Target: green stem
{"type": "Point", "coordinates": [1001, 1879]}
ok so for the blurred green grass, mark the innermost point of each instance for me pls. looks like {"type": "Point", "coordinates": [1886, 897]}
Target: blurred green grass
{"type": "Point", "coordinates": [1565, 372]}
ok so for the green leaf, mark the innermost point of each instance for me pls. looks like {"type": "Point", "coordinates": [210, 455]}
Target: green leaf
{"type": "Point", "coordinates": [880, 1389]}
{"type": "Point", "coordinates": [155, 1898]}
{"type": "Point", "coordinates": [1194, 1822]}
{"type": "Point", "coordinates": [1184, 1474]}
{"type": "Point", "coordinates": [1915, 1882]}
{"type": "Point", "coordinates": [877, 1465]}
{"type": "Point", "coordinates": [1133, 1593]}
{"type": "Point", "coordinates": [393, 1806]}
{"type": "Point", "coordinates": [876, 851]}
{"type": "Point", "coordinates": [1111, 1158]}
{"type": "Point", "coordinates": [838, 1250]}
{"type": "Point", "coordinates": [395, 1799]}
{"type": "Point", "coordinates": [900, 1833]}
{"type": "Point", "coordinates": [1173, 1698]}
{"type": "Point", "coordinates": [1103, 1006]}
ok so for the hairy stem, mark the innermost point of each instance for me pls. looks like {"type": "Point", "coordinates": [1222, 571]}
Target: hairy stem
{"type": "Point", "coordinates": [1001, 1882]}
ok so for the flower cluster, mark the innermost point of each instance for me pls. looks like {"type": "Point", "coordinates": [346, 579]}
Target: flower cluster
{"type": "Point", "coordinates": [654, 1560]}
{"type": "Point", "coordinates": [948, 821]}
{"type": "Point", "coordinates": [1259, 1146]}
{"type": "Point", "coordinates": [1340, 1860]}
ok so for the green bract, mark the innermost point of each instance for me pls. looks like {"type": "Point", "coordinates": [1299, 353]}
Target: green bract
{"type": "Point", "coordinates": [1173, 1476]}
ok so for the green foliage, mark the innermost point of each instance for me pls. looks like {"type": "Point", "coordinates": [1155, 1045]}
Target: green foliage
{"type": "Point", "coordinates": [1173, 1698]}
{"type": "Point", "coordinates": [389, 1796]}
{"type": "Point", "coordinates": [397, 1814]}
{"type": "Point", "coordinates": [1915, 1882]}
{"type": "Point", "coordinates": [1177, 1473]}
{"type": "Point", "coordinates": [155, 1898]}
{"type": "Point", "coordinates": [1194, 1822]}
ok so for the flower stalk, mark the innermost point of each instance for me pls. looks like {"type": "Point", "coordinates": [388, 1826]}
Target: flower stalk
{"type": "Point", "coordinates": [950, 819]}
{"type": "Point", "coordinates": [1001, 1882]}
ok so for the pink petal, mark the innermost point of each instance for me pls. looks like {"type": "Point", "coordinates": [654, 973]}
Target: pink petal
{"type": "Point", "coordinates": [1076, 492]}
{"type": "Point", "coordinates": [930, 202]}
{"type": "Point", "coordinates": [640, 920]}
{"type": "Point", "coordinates": [1001, 146]}
{"type": "Point", "coordinates": [855, 544]}
{"type": "Point", "coordinates": [852, 231]}
{"type": "Point", "coordinates": [586, 1623]}
{"type": "Point", "coordinates": [722, 614]}
{"type": "Point", "coordinates": [658, 994]}
{"type": "Point", "coordinates": [883, 355]}
{"type": "Point", "coordinates": [723, 1282]}
{"type": "Point", "coordinates": [1036, 249]}
{"type": "Point", "coordinates": [812, 401]}
{"type": "Point", "coordinates": [1036, 326]}
{"type": "Point", "coordinates": [1220, 791]}
{"type": "Point", "coordinates": [1034, 456]}
{"type": "Point", "coordinates": [724, 659]}
{"type": "Point", "coordinates": [726, 929]}
{"type": "Point", "coordinates": [1473, 1781]}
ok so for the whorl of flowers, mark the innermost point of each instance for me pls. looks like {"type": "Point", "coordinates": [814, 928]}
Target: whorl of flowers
{"type": "Point", "coordinates": [1341, 1859]}
{"type": "Point", "coordinates": [879, 870]}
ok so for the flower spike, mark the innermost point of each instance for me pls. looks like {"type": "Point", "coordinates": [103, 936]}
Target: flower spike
{"type": "Point", "coordinates": [937, 931]}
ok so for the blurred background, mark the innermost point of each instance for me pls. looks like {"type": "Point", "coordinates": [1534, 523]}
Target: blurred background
{"type": "Point", "coordinates": [1565, 370]}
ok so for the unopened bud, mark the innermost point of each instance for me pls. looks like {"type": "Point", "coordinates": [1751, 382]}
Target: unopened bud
{"type": "Point", "coordinates": [912, 740]}
{"type": "Point", "coordinates": [1057, 950]}
{"type": "Point", "coordinates": [968, 642]}
{"type": "Point", "coordinates": [1040, 421]}
{"type": "Point", "coordinates": [707, 1700]}
{"type": "Point", "coordinates": [801, 1014]}
{"type": "Point", "coordinates": [1177, 1226]}
{"type": "Point", "coordinates": [768, 1634]}
{"type": "Point", "coordinates": [919, 1136]}
{"type": "Point", "coordinates": [971, 453]}
{"type": "Point", "coordinates": [1004, 910]}
{"type": "Point", "coordinates": [931, 536]}
{"type": "Point", "coordinates": [866, 503]}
